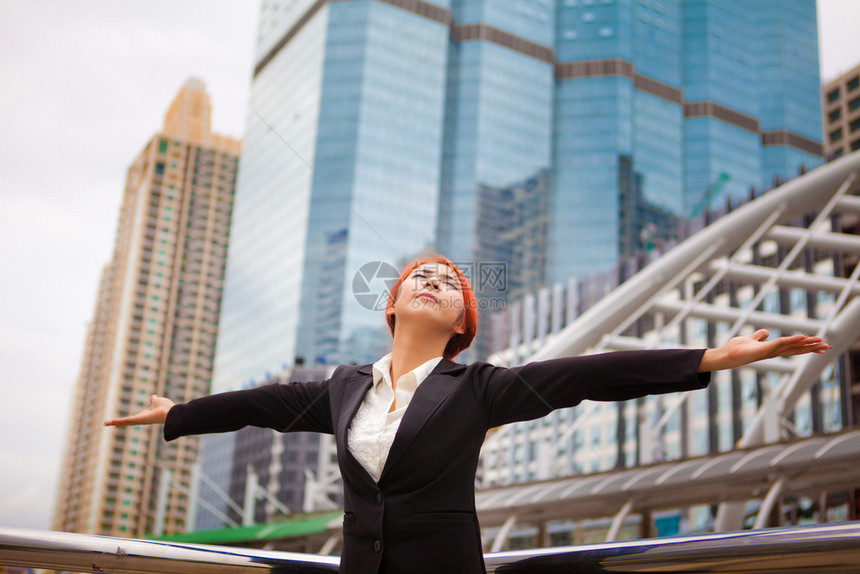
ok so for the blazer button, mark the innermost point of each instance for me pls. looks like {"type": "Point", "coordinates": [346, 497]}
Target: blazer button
{"type": "Point", "coordinates": [377, 546]}
{"type": "Point", "coordinates": [378, 498]}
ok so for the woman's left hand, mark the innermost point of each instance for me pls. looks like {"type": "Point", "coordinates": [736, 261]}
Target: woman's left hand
{"type": "Point", "coordinates": [739, 351]}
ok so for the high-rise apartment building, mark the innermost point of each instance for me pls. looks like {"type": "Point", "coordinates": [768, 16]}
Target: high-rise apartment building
{"type": "Point", "coordinates": [840, 106]}
{"type": "Point", "coordinates": [381, 129]}
{"type": "Point", "coordinates": [154, 329]}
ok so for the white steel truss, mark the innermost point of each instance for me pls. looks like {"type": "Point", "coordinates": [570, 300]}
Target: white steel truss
{"type": "Point", "coordinates": [682, 285]}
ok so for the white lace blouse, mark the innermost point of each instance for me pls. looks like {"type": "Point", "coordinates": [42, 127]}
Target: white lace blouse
{"type": "Point", "coordinates": [373, 428]}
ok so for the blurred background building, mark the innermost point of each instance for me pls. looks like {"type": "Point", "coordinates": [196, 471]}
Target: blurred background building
{"type": "Point", "coordinates": [840, 99]}
{"type": "Point", "coordinates": [154, 329]}
{"type": "Point", "coordinates": [677, 105]}
{"type": "Point", "coordinates": [550, 139]}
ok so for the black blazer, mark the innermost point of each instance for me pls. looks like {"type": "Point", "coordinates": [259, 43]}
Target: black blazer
{"type": "Point", "coordinates": [420, 517]}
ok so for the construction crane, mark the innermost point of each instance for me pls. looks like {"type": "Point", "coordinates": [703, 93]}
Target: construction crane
{"type": "Point", "coordinates": [710, 193]}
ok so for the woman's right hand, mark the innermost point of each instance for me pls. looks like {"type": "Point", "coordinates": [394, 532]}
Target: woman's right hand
{"type": "Point", "coordinates": [154, 415]}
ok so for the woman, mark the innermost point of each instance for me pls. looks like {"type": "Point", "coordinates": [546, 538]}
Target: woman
{"type": "Point", "coordinates": [409, 473]}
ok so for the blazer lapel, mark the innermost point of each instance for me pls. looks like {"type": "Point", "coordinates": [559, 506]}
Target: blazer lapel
{"type": "Point", "coordinates": [428, 397]}
{"type": "Point", "coordinates": [356, 388]}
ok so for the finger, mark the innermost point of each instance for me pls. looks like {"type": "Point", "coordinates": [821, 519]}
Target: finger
{"type": "Point", "coordinates": [117, 423]}
{"type": "Point", "coordinates": [792, 339]}
{"type": "Point", "coordinates": [803, 349]}
{"type": "Point", "coordinates": [760, 335]}
{"type": "Point", "coordinates": [811, 342]}
{"type": "Point", "coordinates": [139, 418]}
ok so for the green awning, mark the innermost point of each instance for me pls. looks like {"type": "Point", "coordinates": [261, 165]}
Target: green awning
{"type": "Point", "coordinates": [300, 526]}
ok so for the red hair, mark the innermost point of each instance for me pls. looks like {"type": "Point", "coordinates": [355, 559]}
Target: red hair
{"type": "Point", "coordinates": [468, 318]}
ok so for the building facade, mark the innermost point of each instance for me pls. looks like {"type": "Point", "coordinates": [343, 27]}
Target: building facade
{"type": "Point", "coordinates": [637, 114]}
{"type": "Point", "coordinates": [679, 104]}
{"type": "Point", "coordinates": [154, 329]}
{"type": "Point", "coordinates": [773, 270]}
{"type": "Point", "coordinates": [378, 130]}
{"type": "Point", "coordinates": [840, 107]}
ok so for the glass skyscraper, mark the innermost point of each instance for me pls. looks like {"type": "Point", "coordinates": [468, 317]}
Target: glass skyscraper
{"type": "Point", "coordinates": [376, 176]}
{"type": "Point", "coordinates": [378, 130]}
{"type": "Point", "coordinates": [676, 104]}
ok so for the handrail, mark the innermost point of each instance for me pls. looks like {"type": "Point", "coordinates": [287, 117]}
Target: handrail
{"type": "Point", "coordinates": [823, 549]}
{"type": "Point", "coordinates": [829, 549]}
{"type": "Point", "coordinates": [89, 553]}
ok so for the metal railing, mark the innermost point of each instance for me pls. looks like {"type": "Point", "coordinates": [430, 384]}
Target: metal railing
{"type": "Point", "coordinates": [828, 549]}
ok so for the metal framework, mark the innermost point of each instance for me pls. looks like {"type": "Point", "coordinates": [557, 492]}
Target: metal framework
{"type": "Point", "coordinates": [793, 221]}
{"type": "Point", "coordinates": [798, 468]}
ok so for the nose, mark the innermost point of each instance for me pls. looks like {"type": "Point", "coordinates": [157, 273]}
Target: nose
{"type": "Point", "coordinates": [432, 282]}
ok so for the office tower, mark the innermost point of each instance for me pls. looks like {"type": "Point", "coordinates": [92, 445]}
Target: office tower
{"type": "Point", "coordinates": [154, 329]}
{"type": "Point", "coordinates": [840, 103]}
{"type": "Point", "coordinates": [498, 136]}
{"type": "Point", "coordinates": [676, 104]}
{"type": "Point", "coordinates": [381, 129]}
{"type": "Point", "coordinates": [341, 168]}
{"type": "Point", "coordinates": [375, 129]}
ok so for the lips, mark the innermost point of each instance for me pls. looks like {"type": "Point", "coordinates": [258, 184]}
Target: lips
{"type": "Point", "coordinates": [427, 296]}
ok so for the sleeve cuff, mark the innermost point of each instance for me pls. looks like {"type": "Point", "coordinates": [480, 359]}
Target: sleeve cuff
{"type": "Point", "coordinates": [171, 423]}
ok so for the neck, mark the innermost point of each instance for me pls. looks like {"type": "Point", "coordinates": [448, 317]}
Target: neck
{"type": "Point", "coordinates": [412, 349]}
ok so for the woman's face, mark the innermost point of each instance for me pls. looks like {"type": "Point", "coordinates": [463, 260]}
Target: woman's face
{"type": "Point", "coordinates": [432, 295]}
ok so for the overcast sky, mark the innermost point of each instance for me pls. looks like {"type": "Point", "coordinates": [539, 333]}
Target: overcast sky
{"type": "Point", "coordinates": [84, 86]}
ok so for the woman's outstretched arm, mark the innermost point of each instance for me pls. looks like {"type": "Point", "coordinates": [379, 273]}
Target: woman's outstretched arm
{"type": "Point", "coordinates": [281, 406]}
{"type": "Point", "coordinates": [533, 390]}
{"type": "Point", "coordinates": [739, 351]}
{"type": "Point", "coordinates": [156, 414]}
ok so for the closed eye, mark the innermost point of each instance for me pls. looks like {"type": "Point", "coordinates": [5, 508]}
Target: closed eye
{"type": "Point", "coordinates": [446, 279]}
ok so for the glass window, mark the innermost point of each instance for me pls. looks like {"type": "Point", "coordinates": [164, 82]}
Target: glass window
{"type": "Point", "coordinates": [159, 168]}
{"type": "Point", "coordinates": [836, 135]}
{"type": "Point", "coordinates": [834, 115]}
{"type": "Point", "coordinates": [854, 104]}
{"type": "Point", "coordinates": [853, 83]}
{"type": "Point", "coordinates": [855, 145]}
{"type": "Point", "coordinates": [855, 125]}
{"type": "Point", "coordinates": [162, 146]}
{"type": "Point", "coordinates": [833, 96]}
